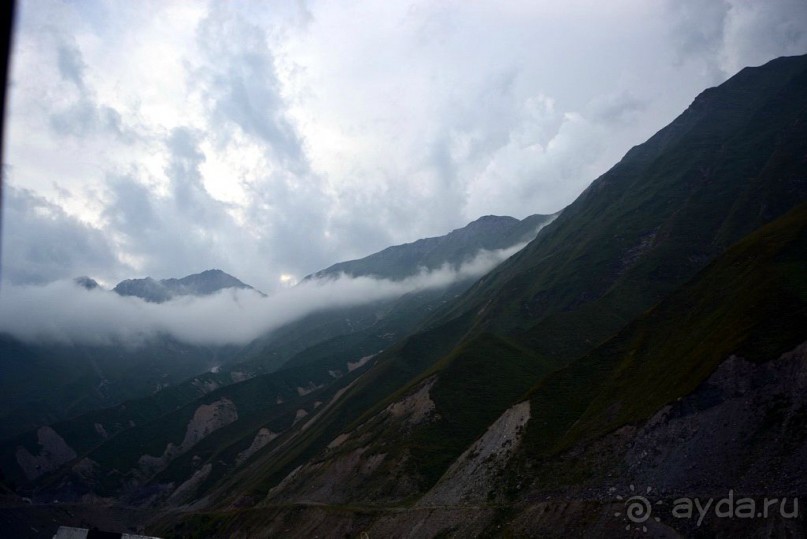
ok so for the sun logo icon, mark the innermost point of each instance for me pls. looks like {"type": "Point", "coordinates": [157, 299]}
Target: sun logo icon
{"type": "Point", "coordinates": [638, 509]}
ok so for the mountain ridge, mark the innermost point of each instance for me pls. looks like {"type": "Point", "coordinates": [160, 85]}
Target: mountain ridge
{"type": "Point", "coordinates": [204, 283]}
{"type": "Point", "coordinates": [489, 232]}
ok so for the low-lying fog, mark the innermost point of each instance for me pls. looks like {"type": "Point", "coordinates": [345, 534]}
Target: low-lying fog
{"type": "Point", "coordinates": [65, 312]}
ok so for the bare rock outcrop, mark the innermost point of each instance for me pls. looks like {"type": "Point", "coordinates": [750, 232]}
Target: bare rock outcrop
{"type": "Point", "coordinates": [744, 428]}
{"type": "Point", "coordinates": [473, 475]}
{"type": "Point", "coordinates": [262, 438]}
{"type": "Point", "coordinates": [207, 419]}
{"type": "Point", "coordinates": [361, 362]}
{"type": "Point", "coordinates": [54, 453]}
{"type": "Point", "coordinates": [186, 490]}
{"type": "Point", "coordinates": [415, 407]}
{"type": "Point", "coordinates": [354, 466]}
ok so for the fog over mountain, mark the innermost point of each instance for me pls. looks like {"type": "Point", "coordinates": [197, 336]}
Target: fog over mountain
{"type": "Point", "coordinates": [69, 312]}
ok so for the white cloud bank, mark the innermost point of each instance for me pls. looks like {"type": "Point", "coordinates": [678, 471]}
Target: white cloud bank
{"type": "Point", "coordinates": [64, 312]}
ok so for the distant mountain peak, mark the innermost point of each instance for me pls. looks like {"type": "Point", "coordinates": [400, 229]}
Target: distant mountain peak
{"type": "Point", "coordinates": [198, 284]}
{"type": "Point", "coordinates": [214, 271]}
{"type": "Point", "coordinates": [488, 222]}
{"type": "Point", "coordinates": [86, 282]}
{"type": "Point", "coordinates": [491, 218]}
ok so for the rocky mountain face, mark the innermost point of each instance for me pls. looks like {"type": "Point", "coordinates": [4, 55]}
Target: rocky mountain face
{"type": "Point", "coordinates": [199, 284]}
{"type": "Point", "coordinates": [653, 335]}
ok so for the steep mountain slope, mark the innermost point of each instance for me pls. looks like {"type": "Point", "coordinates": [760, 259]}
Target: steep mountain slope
{"type": "Point", "coordinates": [732, 162]}
{"type": "Point", "coordinates": [143, 451]}
{"type": "Point", "coordinates": [44, 383]}
{"type": "Point", "coordinates": [750, 303]}
{"type": "Point", "coordinates": [720, 366]}
{"type": "Point", "coordinates": [199, 284]}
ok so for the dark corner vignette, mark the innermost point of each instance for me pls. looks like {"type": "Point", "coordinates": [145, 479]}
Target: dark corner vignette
{"type": "Point", "coordinates": [7, 18]}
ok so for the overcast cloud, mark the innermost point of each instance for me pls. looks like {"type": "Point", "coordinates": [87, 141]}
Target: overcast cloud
{"type": "Point", "coordinates": [273, 139]}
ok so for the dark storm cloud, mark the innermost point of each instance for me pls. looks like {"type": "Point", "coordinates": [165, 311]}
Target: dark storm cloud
{"type": "Point", "coordinates": [84, 117]}
{"type": "Point", "coordinates": [131, 209]}
{"type": "Point", "coordinates": [239, 82]}
{"type": "Point", "coordinates": [71, 64]}
{"type": "Point", "coordinates": [41, 243]}
{"type": "Point", "coordinates": [188, 190]}
{"type": "Point", "coordinates": [80, 115]}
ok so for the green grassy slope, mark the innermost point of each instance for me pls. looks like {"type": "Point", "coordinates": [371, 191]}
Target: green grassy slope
{"type": "Point", "coordinates": [729, 164]}
{"type": "Point", "coordinates": [46, 383]}
{"type": "Point", "coordinates": [751, 302]}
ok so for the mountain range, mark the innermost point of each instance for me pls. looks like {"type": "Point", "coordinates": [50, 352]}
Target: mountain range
{"type": "Point", "coordinates": [651, 335]}
{"type": "Point", "coordinates": [47, 382]}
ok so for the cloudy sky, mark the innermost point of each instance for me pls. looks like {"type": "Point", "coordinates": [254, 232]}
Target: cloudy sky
{"type": "Point", "coordinates": [272, 139]}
